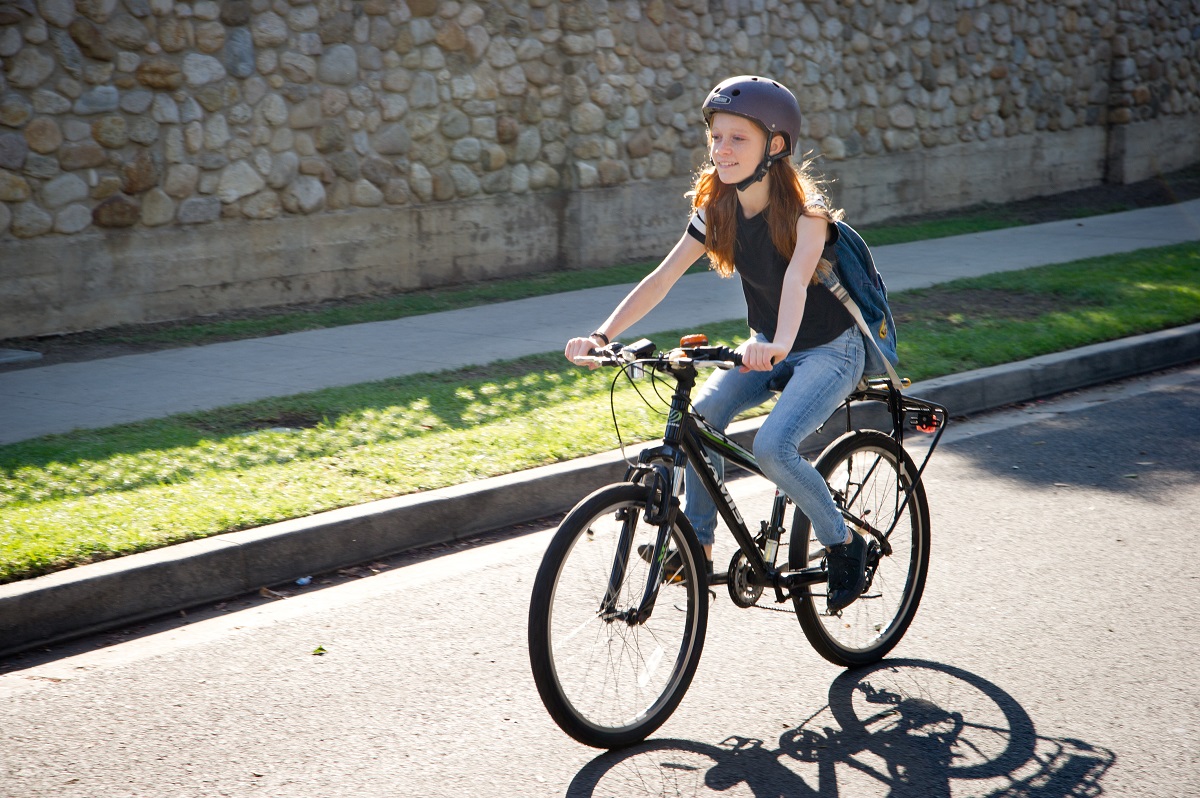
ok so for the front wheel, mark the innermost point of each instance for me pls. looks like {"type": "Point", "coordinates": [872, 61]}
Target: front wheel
{"type": "Point", "coordinates": [606, 678]}
{"type": "Point", "coordinates": [869, 474]}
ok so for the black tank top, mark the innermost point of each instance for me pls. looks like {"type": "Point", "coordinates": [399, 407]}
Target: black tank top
{"type": "Point", "coordinates": [762, 268]}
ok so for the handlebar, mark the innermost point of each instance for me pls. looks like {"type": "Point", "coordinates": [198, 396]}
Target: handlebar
{"type": "Point", "coordinates": [645, 352]}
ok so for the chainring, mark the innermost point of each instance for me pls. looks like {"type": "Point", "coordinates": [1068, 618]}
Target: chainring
{"type": "Point", "coordinates": [741, 592]}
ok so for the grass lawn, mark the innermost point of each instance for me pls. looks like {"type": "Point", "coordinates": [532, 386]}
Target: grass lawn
{"type": "Point", "coordinates": [91, 495]}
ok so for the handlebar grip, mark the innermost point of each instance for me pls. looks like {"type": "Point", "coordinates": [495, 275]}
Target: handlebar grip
{"type": "Point", "coordinates": [731, 355]}
{"type": "Point", "coordinates": [718, 353]}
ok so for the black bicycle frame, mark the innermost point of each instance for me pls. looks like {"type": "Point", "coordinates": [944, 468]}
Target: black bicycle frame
{"type": "Point", "coordinates": [688, 439]}
{"type": "Point", "coordinates": [698, 439]}
{"type": "Point", "coordinates": [928, 416]}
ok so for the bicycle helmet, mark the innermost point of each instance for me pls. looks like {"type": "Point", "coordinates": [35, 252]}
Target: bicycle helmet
{"type": "Point", "coordinates": [763, 101]}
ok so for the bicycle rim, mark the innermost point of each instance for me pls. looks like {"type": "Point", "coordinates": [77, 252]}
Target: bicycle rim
{"type": "Point", "coordinates": [872, 474]}
{"type": "Point", "coordinates": [608, 682]}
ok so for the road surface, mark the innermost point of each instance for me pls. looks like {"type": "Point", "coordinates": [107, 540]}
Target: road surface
{"type": "Point", "coordinates": [1055, 650]}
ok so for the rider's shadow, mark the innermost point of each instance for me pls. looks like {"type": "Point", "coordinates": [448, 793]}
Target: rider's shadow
{"type": "Point", "coordinates": [899, 728]}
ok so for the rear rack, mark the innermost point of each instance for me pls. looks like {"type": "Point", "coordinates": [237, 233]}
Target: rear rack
{"type": "Point", "coordinates": [906, 412]}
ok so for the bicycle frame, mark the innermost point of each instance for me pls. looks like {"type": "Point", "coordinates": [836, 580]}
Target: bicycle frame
{"type": "Point", "coordinates": [688, 439]}
{"type": "Point", "coordinates": [697, 437]}
{"type": "Point", "coordinates": [612, 668]}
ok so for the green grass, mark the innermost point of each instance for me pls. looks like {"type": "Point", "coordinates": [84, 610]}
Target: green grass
{"type": "Point", "coordinates": [71, 499]}
{"type": "Point", "coordinates": [903, 233]}
{"type": "Point", "coordinates": [974, 220]}
{"type": "Point", "coordinates": [1048, 309]}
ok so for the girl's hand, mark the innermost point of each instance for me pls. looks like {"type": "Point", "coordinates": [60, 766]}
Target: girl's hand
{"type": "Point", "coordinates": [578, 347]}
{"type": "Point", "coordinates": [761, 356]}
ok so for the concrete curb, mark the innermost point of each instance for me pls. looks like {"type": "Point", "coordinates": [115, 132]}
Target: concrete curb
{"type": "Point", "coordinates": [118, 592]}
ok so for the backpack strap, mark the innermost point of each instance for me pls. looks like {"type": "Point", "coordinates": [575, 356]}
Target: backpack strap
{"type": "Point", "coordinates": [839, 291]}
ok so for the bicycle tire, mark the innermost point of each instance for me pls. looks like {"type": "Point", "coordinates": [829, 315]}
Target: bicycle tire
{"type": "Point", "coordinates": [605, 681]}
{"type": "Point", "coordinates": [872, 472]}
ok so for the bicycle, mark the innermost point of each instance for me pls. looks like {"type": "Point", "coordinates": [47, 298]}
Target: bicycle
{"type": "Point", "coordinates": [614, 640]}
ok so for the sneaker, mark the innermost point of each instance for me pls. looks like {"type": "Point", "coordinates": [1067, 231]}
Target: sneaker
{"type": "Point", "coordinates": [846, 564]}
{"type": "Point", "coordinates": [673, 565]}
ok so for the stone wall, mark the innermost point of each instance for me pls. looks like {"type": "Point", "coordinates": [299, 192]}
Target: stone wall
{"type": "Point", "coordinates": [161, 158]}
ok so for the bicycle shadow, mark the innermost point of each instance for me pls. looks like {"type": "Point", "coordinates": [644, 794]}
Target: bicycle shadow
{"type": "Point", "coordinates": [899, 728]}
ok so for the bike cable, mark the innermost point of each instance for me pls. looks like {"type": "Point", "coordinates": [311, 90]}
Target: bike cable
{"type": "Point", "coordinates": [612, 401]}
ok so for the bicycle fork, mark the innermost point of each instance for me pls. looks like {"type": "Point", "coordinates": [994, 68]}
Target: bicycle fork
{"type": "Point", "coordinates": [663, 484]}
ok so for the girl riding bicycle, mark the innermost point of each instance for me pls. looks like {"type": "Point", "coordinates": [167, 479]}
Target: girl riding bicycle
{"type": "Point", "coordinates": [758, 214]}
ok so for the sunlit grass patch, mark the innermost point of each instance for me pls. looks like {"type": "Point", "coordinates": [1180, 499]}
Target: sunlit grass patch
{"type": "Point", "coordinates": [90, 495]}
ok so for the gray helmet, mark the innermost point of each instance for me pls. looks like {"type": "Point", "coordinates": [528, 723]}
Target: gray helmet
{"type": "Point", "coordinates": [761, 100]}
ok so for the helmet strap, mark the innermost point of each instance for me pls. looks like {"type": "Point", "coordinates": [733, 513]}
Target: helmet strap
{"type": "Point", "coordinates": [763, 167]}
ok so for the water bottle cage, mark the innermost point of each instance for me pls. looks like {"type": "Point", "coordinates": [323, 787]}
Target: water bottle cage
{"type": "Point", "coordinates": [660, 499]}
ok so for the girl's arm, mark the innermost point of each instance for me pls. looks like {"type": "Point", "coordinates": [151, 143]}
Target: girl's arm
{"type": "Point", "coordinates": [645, 296]}
{"type": "Point", "coordinates": [811, 232]}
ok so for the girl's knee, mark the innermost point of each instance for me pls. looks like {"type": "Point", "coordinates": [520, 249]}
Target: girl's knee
{"type": "Point", "coordinates": [703, 404]}
{"type": "Point", "coordinates": [769, 450]}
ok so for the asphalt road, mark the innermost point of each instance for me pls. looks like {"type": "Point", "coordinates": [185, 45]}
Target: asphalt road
{"type": "Point", "coordinates": [1054, 654]}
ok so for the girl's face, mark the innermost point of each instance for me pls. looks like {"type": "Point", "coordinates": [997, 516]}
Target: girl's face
{"type": "Point", "coordinates": [736, 146]}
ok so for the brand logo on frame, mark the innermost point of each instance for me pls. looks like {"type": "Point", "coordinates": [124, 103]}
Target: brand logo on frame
{"type": "Point", "coordinates": [721, 486]}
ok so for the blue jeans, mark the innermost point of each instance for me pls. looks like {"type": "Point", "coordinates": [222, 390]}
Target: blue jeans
{"type": "Point", "coordinates": [823, 377]}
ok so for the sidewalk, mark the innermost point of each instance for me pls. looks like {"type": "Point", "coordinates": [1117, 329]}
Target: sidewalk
{"type": "Point", "coordinates": [39, 401]}
{"type": "Point", "coordinates": [101, 393]}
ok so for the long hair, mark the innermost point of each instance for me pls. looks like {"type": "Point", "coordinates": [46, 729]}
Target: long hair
{"type": "Point", "coordinates": [794, 191]}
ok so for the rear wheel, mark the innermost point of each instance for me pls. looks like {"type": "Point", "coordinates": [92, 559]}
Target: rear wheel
{"type": "Point", "coordinates": [870, 475]}
{"type": "Point", "coordinates": [606, 679]}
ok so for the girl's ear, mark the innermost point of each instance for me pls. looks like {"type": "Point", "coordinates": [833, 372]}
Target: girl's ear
{"type": "Point", "coordinates": [777, 144]}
